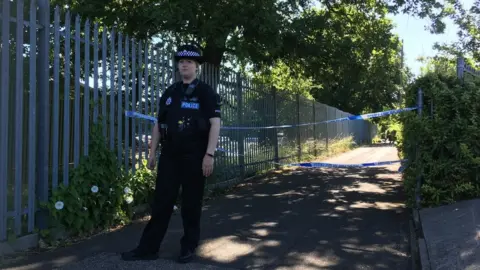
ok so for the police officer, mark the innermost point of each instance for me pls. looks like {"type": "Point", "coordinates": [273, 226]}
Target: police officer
{"type": "Point", "coordinates": [188, 127]}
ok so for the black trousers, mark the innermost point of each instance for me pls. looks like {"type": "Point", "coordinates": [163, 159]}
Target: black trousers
{"type": "Point", "coordinates": [175, 171]}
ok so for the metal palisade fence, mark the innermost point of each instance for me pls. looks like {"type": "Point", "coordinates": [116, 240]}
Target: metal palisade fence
{"type": "Point", "coordinates": [463, 68]}
{"type": "Point", "coordinates": [60, 74]}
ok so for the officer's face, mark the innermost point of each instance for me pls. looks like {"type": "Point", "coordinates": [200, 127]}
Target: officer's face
{"type": "Point", "coordinates": [187, 67]}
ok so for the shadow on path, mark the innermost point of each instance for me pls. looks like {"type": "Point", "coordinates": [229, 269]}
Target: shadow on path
{"type": "Point", "coordinates": [318, 218]}
{"type": "Point", "coordinates": [297, 219]}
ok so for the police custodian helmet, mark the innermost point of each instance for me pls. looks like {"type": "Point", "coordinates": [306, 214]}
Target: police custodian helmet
{"type": "Point", "coordinates": [189, 52]}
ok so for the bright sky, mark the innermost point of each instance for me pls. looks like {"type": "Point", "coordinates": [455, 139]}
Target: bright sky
{"type": "Point", "coordinates": [418, 41]}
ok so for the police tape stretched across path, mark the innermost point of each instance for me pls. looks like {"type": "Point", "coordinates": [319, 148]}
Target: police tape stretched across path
{"type": "Point", "coordinates": [349, 118]}
{"type": "Point", "coordinates": [309, 164]}
{"type": "Point", "coordinates": [333, 165]}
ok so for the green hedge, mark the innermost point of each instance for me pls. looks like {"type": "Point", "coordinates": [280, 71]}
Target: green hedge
{"type": "Point", "coordinates": [448, 138]}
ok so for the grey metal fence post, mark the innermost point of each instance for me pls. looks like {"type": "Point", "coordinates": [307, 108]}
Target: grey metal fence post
{"type": "Point", "coordinates": [275, 136]}
{"type": "Point", "coordinates": [417, 150]}
{"type": "Point", "coordinates": [175, 73]}
{"type": "Point", "coordinates": [314, 129]}
{"type": "Point", "coordinates": [4, 102]}
{"type": "Point", "coordinates": [460, 67]}
{"type": "Point", "coordinates": [299, 145]}
{"type": "Point", "coordinates": [241, 144]}
{"type": "Point", "coordinates": [43, 135]}
{"type": "Point", "coordinates": [327, 126]}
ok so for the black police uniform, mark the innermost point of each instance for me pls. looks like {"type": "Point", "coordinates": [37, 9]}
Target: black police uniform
{"type": "Point", "coordinates": [187, 118]}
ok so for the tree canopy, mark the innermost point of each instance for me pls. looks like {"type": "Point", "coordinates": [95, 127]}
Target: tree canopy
{"type": "Point", "coordinates": [467, 19]}
{"type": "Point", "coordinates": [250, 29]}
{"type": "Point", "coordinates": [342, 53]}
{"type": "Point", "coordinates": [345, 58]}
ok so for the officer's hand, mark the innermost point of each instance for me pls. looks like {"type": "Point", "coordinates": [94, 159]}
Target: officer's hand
{"type": "Point", "coordinates": [151, 162]}
{"type": "Point", "coordinates": [207, 165]}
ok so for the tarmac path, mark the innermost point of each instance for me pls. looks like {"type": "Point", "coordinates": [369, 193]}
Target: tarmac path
{"type": "Point", "coordinates": [304, 218]}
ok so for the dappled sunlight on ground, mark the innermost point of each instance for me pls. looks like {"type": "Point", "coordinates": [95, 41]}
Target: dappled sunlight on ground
{"type": "Point", "coordinates": [231, 249]}
{"type": "Point", "coordinates": [365, 187]}
{"type": "Point", "coordinates": [303, 218]}
{"type": "Point", "coordinates": [322, 218]}
{"type": "Point", "coordinates": [377, 205]}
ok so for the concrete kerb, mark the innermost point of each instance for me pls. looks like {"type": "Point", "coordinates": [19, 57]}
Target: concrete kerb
{"type": "Point", "coordinates": [20, 244]}
{"type": "Point", "coordinates": [418, 247]}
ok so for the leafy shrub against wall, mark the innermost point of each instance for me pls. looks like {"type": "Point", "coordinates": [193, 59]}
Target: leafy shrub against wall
{"type": "Point", "coordinates": [448, 139]}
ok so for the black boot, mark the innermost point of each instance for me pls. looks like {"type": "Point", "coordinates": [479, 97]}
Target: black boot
{"type": "Point", "coordinates": [186, 255]}
{"type": "Point", "coordinates": [138, 255]}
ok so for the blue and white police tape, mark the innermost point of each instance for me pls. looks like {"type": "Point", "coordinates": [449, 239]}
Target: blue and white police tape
{"type": "Point", "coordinates": [349, 118]}
{"type": "Point", "coordinates": [372, 115]}
{"type": "Point", "coordinates": [141, 116]}
{"type": "Point", "coordinates": [333, 165]}
{"type": "Point", "coordinates": [403, 166]}
{"type": "Point", "coordinates": [154, 120]}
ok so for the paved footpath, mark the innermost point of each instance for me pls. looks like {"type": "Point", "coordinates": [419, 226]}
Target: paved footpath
{"type": "Point", "coordinates": [301, 219]}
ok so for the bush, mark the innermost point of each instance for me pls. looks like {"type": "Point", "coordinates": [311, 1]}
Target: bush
{"type": "Point", "coordinates": [98, 194]}
{"type": "Point", "coordinates": [142, 183]}
{"type": "Point", "coordinates": [448, 138]}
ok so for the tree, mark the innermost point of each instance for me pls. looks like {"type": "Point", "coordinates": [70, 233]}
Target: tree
{"type": "Point", "coordinates": [218, 26]}
{"type": "Point", "coordinates": [250, 30]}
{"type": "Point", "coordinates": [352, 57]}
{"type": "Point", "coordinates": [468, 22]}
{"type": "Point", "coordinates": [440, 64]}
{"type": "Point", "coordinates": [285, 78]}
